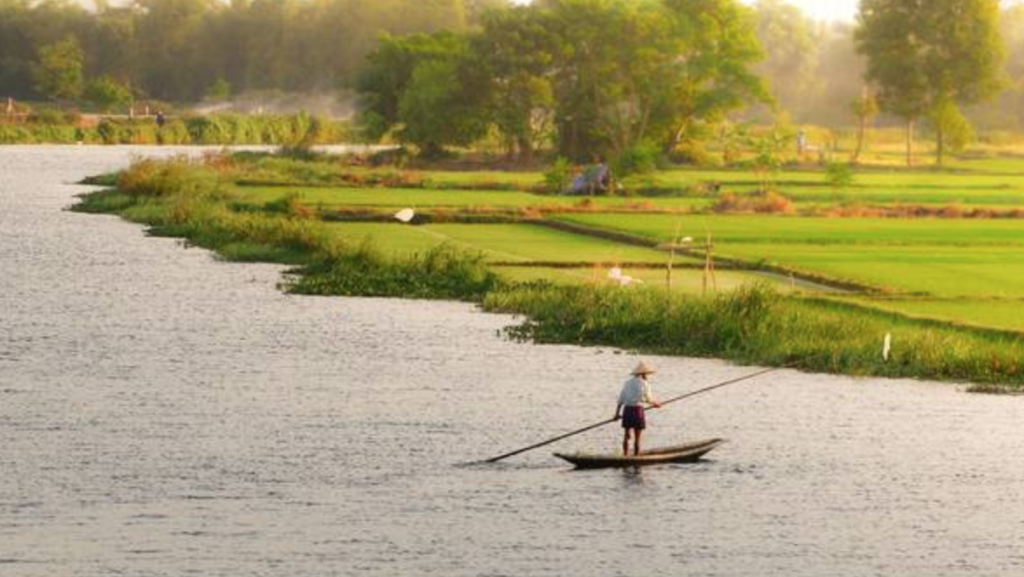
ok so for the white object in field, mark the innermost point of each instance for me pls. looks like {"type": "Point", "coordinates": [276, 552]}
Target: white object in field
{"type": "Point", "coordinates": [624, 280]}
{"type": "Point", "coordinates": [886, 346]}
{"type": "Point", "coordinates": [687, 240]}
{"type": "Point", "coordinates": [405, 215]}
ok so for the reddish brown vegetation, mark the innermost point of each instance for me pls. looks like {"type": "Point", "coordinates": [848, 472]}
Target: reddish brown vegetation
{"type": "Point", "coordinates": [757, 203]}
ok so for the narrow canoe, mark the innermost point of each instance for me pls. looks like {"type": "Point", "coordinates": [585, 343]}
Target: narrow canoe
{"type": "Point", "coordinates": [685, 453]}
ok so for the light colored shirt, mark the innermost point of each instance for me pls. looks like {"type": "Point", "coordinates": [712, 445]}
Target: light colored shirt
{"type": "Point", "coordinates": [635, 392]}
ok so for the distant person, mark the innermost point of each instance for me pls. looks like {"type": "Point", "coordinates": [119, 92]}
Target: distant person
{"type": "Point", "coordinates": [160, 119]}
{"type": "Point", "coordinates": [630, 409]}
{"type": "Point", "coordinates": [579, 180]}
{"type": "Point", "coordinates": [801, 142]}
{"type": "Point", "coordinates": [594, 178]}
{"type": "Point", "coordinates": [10, 107]}
{"type": "Point", "coordinates": [602, 176]}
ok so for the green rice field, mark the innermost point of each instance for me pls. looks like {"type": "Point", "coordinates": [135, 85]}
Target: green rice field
{"type": "Point", "coordinates": [395, 198]}
{"type": "Point", "coordinates": [962, 270]}
{"type": "Point", "coordinates": [744, 229]}
{"type": "Point", "coordinates": [510, 243]}
{"type": "Point", "coordinates": [940, 282]}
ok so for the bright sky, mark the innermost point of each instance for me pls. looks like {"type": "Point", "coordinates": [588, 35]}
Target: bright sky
{"type": "Point", "coordinates": [825, 9]}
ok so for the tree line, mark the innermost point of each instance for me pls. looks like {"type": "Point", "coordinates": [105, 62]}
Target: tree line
{"type": "Point", "coordinates": [600, 77]}
{"type": "Point", "coordinates": [184, 50]}
{"type": "Point", "coordinates": [628, 78]}
{"type": "Point", "coordinates": [585, 77]}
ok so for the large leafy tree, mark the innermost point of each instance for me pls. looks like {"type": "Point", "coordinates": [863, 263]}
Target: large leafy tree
{"type": "Point", "coordinates": [437, 110]}
{"type": "Point", "coordinates": [925, 56]}
{"type": "Point", "coordinates": [629, 72]}
{"type": "Point", "coordinates": [718, 47]}
{"type": "Point", "coordinates": [59, 72]}
{"type": "Point", "coordinates": [421, 89]}
{"type": "Point", "coordinates": [513, 50]}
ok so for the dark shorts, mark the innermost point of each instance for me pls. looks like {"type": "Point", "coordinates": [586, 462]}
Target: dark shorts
{"type": "Point", "coordinates": [633, 418]}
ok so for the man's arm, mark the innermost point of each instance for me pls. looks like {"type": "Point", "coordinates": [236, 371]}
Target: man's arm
{"type": "Point", "coordinates": [618, 411]}
{"type": "Point", "coordinates": [649, 396]}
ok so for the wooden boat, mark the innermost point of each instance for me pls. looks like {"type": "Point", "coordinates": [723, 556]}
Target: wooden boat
{"type": "Point", "coordinates": [686, 453]}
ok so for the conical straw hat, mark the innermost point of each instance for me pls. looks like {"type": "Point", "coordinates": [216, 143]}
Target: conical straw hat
{"type": "Point", "coordinates": [643, 369]}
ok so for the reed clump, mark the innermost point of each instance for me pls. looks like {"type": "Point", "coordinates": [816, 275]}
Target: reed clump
{"type": "Point", "coordinates": [443, 272]}
{"type": "Point", "coordinates": [757, 326]}
{"type": "Point", "coordinates": [281, 130]}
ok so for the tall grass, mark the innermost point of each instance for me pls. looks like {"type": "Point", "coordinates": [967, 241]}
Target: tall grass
{"type": "Point", "coordinates": [285, 130]}
{"type": "Point", "coordinates": [39, 134]}
{"type": "Point", "coordinates": [755, 325]}
{"type": "Point", "coordinates": [442, 272]}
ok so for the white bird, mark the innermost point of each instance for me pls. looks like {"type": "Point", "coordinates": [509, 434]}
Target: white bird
{"type": "Point", "coordinates": [886, 346]}
{"type": "Point", "coordinates": [615, 273]}
{"type": "Point", "coordinates": [405, 215]}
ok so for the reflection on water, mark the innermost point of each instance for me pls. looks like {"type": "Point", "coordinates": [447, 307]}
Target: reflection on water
{"type": "Point", "coordinates": [163, 414]}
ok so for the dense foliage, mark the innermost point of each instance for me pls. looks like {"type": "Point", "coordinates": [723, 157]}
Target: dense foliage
{"type": "Point", "coordinates": [588, 78]}
{"type": "Point", "coordinates": [179, 50]}
{"type": "Point", "coordinates": [931, 57]}
{"type": "Point", "coordinates": [609, 75]}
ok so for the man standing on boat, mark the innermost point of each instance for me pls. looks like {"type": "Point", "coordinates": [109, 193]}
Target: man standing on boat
{"type": "Point", "coordinates": [630, 409]}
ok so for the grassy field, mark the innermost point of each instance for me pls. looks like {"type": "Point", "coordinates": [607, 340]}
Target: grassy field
{"type": "Point", "coordinates": [1005, 314]}
{"type": "Point", "coordinates": [510, 243]}
{"type": "Point", "coordinates": [746, 229]}
{"type": "Point", "coordinates": [945, 268]}
{"type": "Point", "coordinates": [949, 283]}
{"type": "Point", "coordinates": [670, 190]}
{"type": "Point", "coordinates": [396, 198]}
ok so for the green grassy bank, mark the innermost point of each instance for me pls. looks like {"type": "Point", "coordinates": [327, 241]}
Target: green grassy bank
{"type": "Point", "coordinates": [201, 201]}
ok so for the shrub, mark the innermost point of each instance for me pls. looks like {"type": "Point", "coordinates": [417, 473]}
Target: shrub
{"type": "Point", "coordinates": [149, 177]}
{"type": "Point", "coordinates": [839, 175]}
{"type": "Point", "coordinates": [559, 176]}
{"type": "Point", "coordinates": [641, 159]}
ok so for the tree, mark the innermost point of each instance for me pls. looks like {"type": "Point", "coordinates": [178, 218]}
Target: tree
{"type": "Point", "coordinates": [952, 129]}
{"type": "Point", "coordinates": [1007, 112]}
{"type": "Point", "coordinates": [219, 91]}
{"type": "Point", "coordinates": [864, 108]}
{"type": "Point", "coordinates": [108, 94]}
{"type": "Point", "coordinates": [514, 50]}
{"type": "Point", "coordinates": [925, 54]}
{"type": "Point", "coordinates": [789, 40]}
{"type": "Point", "coordinates": [434, 112]}
{"type": "Point", "coordinates": [717, 47]}
{"type": "Point", "coordinates": [387, 74]}
{"type": "Point", "coordinates": [58, 73]}
{"type": "Point", "coordinates": [422, 88]}
{"type": "Point", "coordinates": [626, 72]}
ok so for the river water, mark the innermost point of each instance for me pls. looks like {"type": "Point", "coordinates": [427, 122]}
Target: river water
{"type": "Point", "coordinates": [163, 413]}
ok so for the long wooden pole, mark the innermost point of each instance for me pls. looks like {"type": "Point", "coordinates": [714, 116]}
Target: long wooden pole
{"type": "Point", "coordinates": [610, 421]}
